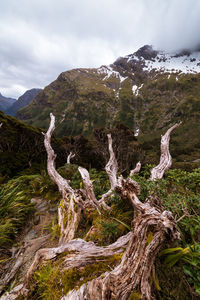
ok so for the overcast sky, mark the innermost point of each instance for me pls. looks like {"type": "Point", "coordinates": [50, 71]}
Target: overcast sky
{"type": "Point", "coordinates": [39, 39]}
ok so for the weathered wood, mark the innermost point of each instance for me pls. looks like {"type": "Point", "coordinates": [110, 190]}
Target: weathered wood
{"type": "Point", "coordinates": [13, 294]}
{"type": "Point", "coordinates": [111, 169]}
{"type": "Point", "coordinates": [89, 190]}
{"type": "Point", "coordinates": [69, 210]}
{"type": "Point", "coordinates": [82, 253]}
{"type": "Point", "coordinates": [136, 170]}
{"type": "Point", "coordinates": [63, 184]}
{"type": "Point", "coordinates": [69, 157]}
{"type": "Point", "coordinates": [151, 229]}
{"type": "Point", "coordinates": [165, 157]}
{"type": "Point", "coordinates": [112, 166]}
{"type": "Point", "coordinates": [133, 273]}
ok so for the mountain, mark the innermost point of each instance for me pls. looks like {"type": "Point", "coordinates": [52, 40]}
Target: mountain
{"type": "Point", "coordinates": [147, 91]}
{"type": "Point", "coordinates": [22, 101]}
{"type": "Point", "coordinates": [5, 102]}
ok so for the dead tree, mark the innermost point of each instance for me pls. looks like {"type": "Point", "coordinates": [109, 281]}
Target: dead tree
{"type": "Point", "coordinates": [69, 157]}
{"type": "Point", "coordinates": [73, 201]}
{"type": "Point", "coordinates": [133, 273]}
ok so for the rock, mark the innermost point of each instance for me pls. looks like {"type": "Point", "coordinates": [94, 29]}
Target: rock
{"type": "Point", "coordinates": [30, 235]}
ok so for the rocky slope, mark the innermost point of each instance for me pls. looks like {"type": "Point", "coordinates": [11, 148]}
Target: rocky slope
{"type": "Point", "coordinates": [23, 101]}
{"type": "Point", "coordinates": [5, 102]}
{"type": "Point", "coordinates": [147, 91]}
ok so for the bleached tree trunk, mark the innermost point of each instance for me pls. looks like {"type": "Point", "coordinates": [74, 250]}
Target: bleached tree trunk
{"type": "Point", "coordinates": [111, 169]}
{"type": "Point", "coordinates": [69, 210]}
{"type": "Point", "coordinates": [73, 201]}
{"type": "Point", "coordinates": [112, 166]}
{"type": "Point", "coordinates": [151, 229]}
{"type": "Point", "coordinates": [69, 157]}
{"type": "Point", "coordinates": [136, 170]}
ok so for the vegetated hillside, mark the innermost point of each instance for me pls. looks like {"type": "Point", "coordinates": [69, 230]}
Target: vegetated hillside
{"type": "Point", "coordinates": [146, 91]}
{"type": "Point", "coordinates": [22, 148]}
{"type": "Point", "coordinates": [5, 102]}
{"type": "Point", "coordinates": [23, 101]}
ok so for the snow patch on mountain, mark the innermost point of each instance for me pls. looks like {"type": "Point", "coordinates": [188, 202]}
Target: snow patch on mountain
{"type": "Point", "coordinates": [136, 89]}
{"type": "Point", "coordinates": [183, 62]}
{"type": "Point", "coordinates": [108, 71]}
{"type": "Point", "coordinates": [166, 63]}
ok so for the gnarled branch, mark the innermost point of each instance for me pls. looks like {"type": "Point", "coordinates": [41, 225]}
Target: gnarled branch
{"type": "Point", "coordinates": [68, 216]}
{"type": "Point", "coordinates": [112, 166]}
{"type": "Point", "coordinates": [165, 157]}
{"type": "Point", "coordinates": [111, 169]}
{"type": "Point", "coordinates": [88, 187]}
{"type": "Point", "coordinates": [136, 170]}
{"type": "Point", "coordinates": [69, 157]}
{"type": "Point", "coordinates": [63, 184]}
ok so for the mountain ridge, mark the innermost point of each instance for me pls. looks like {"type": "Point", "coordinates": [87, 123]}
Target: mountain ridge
{"type": "Point", "coordinates": [23, 101]}
{"type": "Point", "coordinates": [6, 102]}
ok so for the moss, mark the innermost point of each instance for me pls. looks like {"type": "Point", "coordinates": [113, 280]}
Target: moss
{"type": "Point", "coordinates": [149, 238]}
{"type": "Point", "coordinates": [52, 281]}
{"type": "Point", "coordinates": [89, 272]}
{"type": "Point", "coordinates": [135, 296]}
{"type": "Point", "coordinates": [76, 208]}
{"type": "Point", "coordinates": [20, 297]}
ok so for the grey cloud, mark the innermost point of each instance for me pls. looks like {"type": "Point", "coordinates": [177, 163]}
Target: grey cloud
{"type": "Point", "coordinates": [41, 38]}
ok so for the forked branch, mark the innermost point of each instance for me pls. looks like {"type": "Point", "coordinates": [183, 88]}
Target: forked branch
{"type": "Point", "coordinates": [88, 187]}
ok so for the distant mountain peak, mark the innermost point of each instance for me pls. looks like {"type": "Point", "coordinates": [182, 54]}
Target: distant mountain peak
{"type": "Point", "coordinates": [146, 52]}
